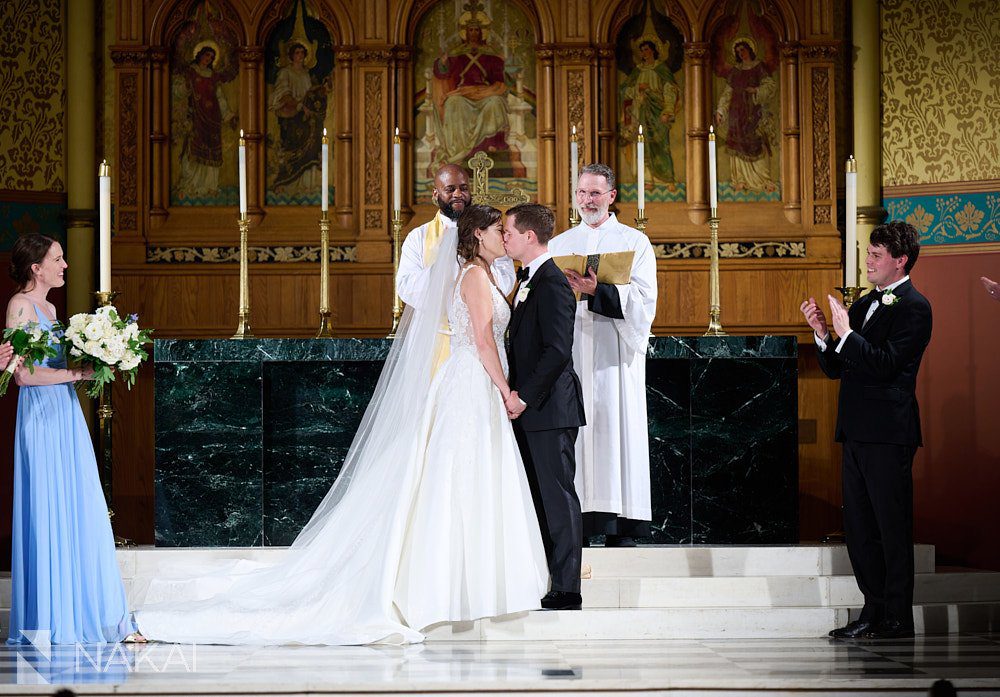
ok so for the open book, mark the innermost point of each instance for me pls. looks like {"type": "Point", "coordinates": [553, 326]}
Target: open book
{"type": "Point", "coordinates": [610, 267]}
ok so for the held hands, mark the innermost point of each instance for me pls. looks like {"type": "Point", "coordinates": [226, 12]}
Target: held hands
{"type": "Point", "coordinates": [514, 406]}
{"type": "Point", "coordinates": [841, 323]}
{"type": "Point", "coordinates": [815, 317]}
{"type": "Point", "coordinates": [582, 284]}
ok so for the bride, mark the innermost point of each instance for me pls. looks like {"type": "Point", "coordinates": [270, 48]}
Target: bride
{"type": "Point", "coordinates": [430, 520]}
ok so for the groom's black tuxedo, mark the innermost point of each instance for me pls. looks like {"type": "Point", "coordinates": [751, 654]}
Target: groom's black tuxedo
{"type": "Point", "coordinates": [540, 351]}
{"type": "Point", "coordinates": [878, 421]}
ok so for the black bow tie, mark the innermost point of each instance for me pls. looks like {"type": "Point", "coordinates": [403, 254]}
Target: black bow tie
{"type": "Point", "coordinates": [522, 274]}
{"type": "Point", "coordinates": [875, 296]}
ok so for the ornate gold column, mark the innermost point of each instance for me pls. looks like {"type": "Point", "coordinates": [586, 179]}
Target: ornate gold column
{"type": "Point", "coordinates": [696, 96]}
{"type": "Point", "coordinates": [867, 122]}
{"type": "Point", "coordinates": [547, 130]}
{"type": "Point", "coordinates": [81, 163]}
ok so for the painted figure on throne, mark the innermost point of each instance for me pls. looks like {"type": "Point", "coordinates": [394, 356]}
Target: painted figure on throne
{"type": "Point", "coordinates": [477, 96]}
{"type": "Point", "coordinates": [200, 112]}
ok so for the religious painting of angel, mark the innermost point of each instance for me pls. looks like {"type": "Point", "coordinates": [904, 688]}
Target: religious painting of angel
{"type": "Point", "coordinates": [299, 75]}
{"type": "Point", "coordinates": [204, 123]}
{"type": "Point", "coordinates": [747, 106]}
{"type": "Point", "coordinates": [475, 68]}
{"type": "Point", "coordinates": [651, 94]}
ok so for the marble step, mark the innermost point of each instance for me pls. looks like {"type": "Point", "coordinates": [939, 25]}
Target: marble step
{"type": "Point", "coordinates": [702, 623]}
{"type": "Point", "coordinates": [777, 591]}
{"type": "Point", "coordinates": [638, 562]}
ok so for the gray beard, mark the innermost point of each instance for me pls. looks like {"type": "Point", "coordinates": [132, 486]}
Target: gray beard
{"type": "Point", "coordinates": [592, 218]}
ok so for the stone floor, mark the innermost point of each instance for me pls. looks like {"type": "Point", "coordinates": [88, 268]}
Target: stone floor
{"type": "Point", "coordinates": [680, 667]}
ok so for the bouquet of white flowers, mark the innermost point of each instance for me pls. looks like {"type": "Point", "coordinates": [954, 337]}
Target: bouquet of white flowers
{"type": "Point", "coordinates": [107, 343]}
{"type": "Point", "coordinates": [32, 342]}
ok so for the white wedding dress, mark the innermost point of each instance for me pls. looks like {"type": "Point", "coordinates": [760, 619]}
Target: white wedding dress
{"type": "Point", "coordinates": [434, 523]}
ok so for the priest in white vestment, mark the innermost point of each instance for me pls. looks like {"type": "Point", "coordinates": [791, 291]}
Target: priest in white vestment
{"type": "Point", "coordinates": [609, 353]}
{"type": "Point", "coordinates": [419, 250]}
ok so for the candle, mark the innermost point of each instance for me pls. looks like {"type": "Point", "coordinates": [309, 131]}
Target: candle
{"type": "Point", "coordinates": [713, 179]}
{"type": "Point", "coordinates": [324, 155]}
{"type": "Point", "coordinates": [574, 162]}
{"type": "Point", "coordinates": [397, 181]}
{"type": "Point", "coordinates": [243, 176]}
{"type": "Point", "coordinates": [104, 227]}
{"type": "Point", "coordinates": [851, 224]}
{"type": "Point", "coordinates": [640, 151]}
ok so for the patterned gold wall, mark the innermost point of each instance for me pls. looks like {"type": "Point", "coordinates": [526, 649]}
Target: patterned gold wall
{"type": "Point", "coordinates": [32, 70]}
{"type": "Point", "coordinates": [941, 117]}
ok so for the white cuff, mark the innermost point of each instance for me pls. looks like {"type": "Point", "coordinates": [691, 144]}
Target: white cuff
{"type": "Point", "coordinates": [523, 403]}
{"type": "Point", "coordinates": [840, 344]}
{"type": "Point", "coordinates": [821, 343]}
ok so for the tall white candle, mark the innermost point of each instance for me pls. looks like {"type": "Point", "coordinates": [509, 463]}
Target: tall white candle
{"type": "Point", "coordinates": [713, 178]}
{"type": "Point", "coordinates": [397, 179]}
{"type": "Point", "coordinates": [243, 176]}
{"type": "Point", "coordinates": [104, 227]}
{"type": "Point", "coordinates": [324, 180]}
{"type": "Point", "coordinates": [640, 158]}
{"type": "Point", "coordinates": [574, 163]}
{"type": "Point", "coordinates": [851, 223]}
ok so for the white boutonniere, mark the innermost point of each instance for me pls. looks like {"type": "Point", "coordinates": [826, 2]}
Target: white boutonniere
{"type": "Point", "coordinates": [522, 294]}
{"type": "Point", "coordinates": [889, 298]}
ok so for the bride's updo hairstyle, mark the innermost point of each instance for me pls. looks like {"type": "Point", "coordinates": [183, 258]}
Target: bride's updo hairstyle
{"type": "Point", "coordinates": [28, 250]}
{"type": "Point", "coordinates": [474, 218]}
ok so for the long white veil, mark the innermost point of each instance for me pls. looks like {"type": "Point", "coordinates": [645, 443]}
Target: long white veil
{"type": "Point", "coordinates": [335, 585]}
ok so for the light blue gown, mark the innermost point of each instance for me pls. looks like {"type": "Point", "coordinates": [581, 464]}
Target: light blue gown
{"type": "Point", "coordinates": [65, 577]}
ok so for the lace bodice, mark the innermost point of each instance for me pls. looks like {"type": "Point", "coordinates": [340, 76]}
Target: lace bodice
{"type": "Point", "coordinates": [461, 322]}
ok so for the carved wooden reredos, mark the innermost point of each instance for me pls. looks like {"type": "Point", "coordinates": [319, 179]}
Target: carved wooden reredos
{"type": "Point", "coordinates": [173, 191]}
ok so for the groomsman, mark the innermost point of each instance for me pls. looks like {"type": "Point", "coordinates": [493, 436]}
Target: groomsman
{"type": "Point", "coordinates": [451, 195]}
{"type": "Point", "coordinates": [876, 356]}
{"type": "Point", "coordinates": [611, 335]}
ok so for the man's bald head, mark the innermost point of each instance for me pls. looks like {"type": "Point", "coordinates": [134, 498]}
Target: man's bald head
{"type": "Point", "coordinates": [451, 190]}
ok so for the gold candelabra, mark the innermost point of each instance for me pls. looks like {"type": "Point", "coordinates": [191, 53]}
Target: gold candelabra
{"type": "Point", "coordinates": [397, 304]}
{"type": "Point", "coordinates": [243, 330]}
{"type": "Point", "coordinates": [715, 309]}
{"type": "Point", "coordinates": [325, 327]}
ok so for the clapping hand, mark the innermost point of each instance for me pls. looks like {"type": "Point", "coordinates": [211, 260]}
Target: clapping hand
{"type": "Point", "coordinates": [841, 322]}
{"type": "Point", "coordinates": [992, 287]}
{"type": "Point", "coordinates": [513, 405]}
{"type": "Point", "coordinates": [815, 317]}
{"type": "Point", "coordinates": [582, 284]}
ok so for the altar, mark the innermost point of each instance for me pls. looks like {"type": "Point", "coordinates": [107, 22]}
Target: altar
{"type": "Point", "coordinates": [251, 433]}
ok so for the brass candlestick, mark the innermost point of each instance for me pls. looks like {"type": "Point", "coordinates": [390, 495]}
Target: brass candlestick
{"type": "Point", "coordinates": [105, 419]}
{"type": "Point", "coordinates": [325, 327]}
{"type": "Point", "coordinates": [715, 310]}
{"type": "Point", "coordinates": [243, 327]}
{"type": "Point", "coordinates": [850, 293]}
{"type": "Point", "coordinates": [397, 304]}
{"type": "Point", "coordinates": [641, 220]}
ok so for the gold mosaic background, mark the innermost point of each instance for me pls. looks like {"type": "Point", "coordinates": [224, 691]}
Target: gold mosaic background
{"type": "Point", "coordinates": [940, 86]}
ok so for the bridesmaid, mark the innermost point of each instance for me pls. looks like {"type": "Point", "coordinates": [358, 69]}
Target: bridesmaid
{"type": "Point", "coordinates": [65, 577]}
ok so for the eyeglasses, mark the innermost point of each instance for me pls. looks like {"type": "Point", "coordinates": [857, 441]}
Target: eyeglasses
{"type": "Point", "coordinates": [580, 193]}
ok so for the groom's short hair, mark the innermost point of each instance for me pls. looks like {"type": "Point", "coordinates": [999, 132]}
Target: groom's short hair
{"type": "Point", "coordinates": [534, 217]}
{"type": "Point", "coordinates": [899, 237]}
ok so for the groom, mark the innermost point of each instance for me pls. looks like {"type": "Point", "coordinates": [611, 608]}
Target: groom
{"type": "Point", "coordinates": [546, 402]}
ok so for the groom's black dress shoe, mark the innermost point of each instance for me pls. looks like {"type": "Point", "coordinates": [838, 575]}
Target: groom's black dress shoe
{"type": "Point", "coordinates": [562, 600]}
{"type": "Point", "coordinates": [854, 630]}
{"type": "Point", "coordinates": [890, 629]}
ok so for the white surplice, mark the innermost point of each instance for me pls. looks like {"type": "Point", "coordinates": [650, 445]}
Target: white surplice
{"type": "Point", "coordinates": [609, 354]}
{"type": "Point", "coordinates": [418, 252]}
